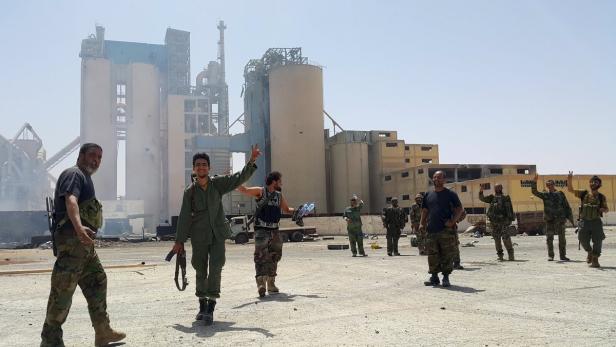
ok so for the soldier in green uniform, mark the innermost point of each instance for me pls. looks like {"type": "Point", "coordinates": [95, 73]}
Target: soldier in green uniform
{"type": "Point", "coordinates": [500, 213]}
{"type": "Point", "coordinates": [440, 211]}
{"type": "Point", "coordinates": [202, 218]}
{"type": "Point", "coordinates": [394, 219]}
{"type": "Point", "coordinates": [77, 217]}
{"type": "Point", "coordinates": [556, 211]}
{"type": "Point", "coordinates": [593, 206]}
{"type": "Point", "coordinates": [415, 219]}
{"type": "Point", "coordinates": [352, 215]}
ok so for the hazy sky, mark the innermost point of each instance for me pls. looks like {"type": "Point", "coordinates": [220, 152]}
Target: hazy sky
{"type": "Point", "coordinates": [489, 81]}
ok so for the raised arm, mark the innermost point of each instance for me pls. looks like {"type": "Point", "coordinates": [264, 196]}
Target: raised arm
{"type": "Point", "coordinates": [487, 199]}
{"type": "Point", "coordinates": [284, 206]}
{"type": "Point", "coordinates": [225, 184]}
{"type": "Point", "coordinates": [254, 192]}
{"type": "Point", "coordinates": [577, 193]}
{"type": "Point", "coordinates": [533, 188]}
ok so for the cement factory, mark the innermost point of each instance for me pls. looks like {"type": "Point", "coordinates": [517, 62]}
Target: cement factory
{"type": "Point", "coordinates": [140, 97]}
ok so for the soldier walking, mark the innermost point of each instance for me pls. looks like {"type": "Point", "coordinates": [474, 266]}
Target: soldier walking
{"type": "Point", "coordinates": [77, 217]}
{"type": "Point", "coordinates": [394, 219]}
{"type": "Point", "coordinates": [500, 213]}
{"type": "Point", "coordinates": [556, 211]}
{"type": "Point", "coordinates": [202, 218]}
{"type": "Point", "coordinates": [352, 215]}
{"type": "Point", "coordinates": [268, 244]}
{"type": "Point", "coordinates": [441, 209]}
{"type": "Point", "coordinates": [593, 206]}
{"type": "Point", "coordinates": [415, 219]}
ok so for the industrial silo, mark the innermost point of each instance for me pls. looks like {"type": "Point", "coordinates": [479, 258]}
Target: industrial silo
{"type": "Point", "coordinates": [349, 171]}
{"type": "Point", "coordinates": [297, 143]}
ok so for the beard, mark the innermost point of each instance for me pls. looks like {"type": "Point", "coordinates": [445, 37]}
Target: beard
{"type": "Point", "coordinates": [90, 170]}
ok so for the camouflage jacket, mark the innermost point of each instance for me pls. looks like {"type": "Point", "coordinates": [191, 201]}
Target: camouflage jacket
{"type": "Point", "coordinates": [353, 215]}
{"type": "Point", "coordinates": [415, 214]}
{"type": "Point", "coordinates": [394, 218]}
{"type": "Point", "coordinates": [500, 210]}
{"type": "Point", "coordinates": [555, 205]}
{"type": "Point", "coordinates": [590, 204]}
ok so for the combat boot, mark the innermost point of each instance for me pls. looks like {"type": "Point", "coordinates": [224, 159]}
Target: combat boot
{"type": "Point", "coordinates": [261, 285]}
{"type": "Point", "coordinates": [500, 257]}
{"type": "Point", "coordinates": [510, 254]}
{"type": "Point", "coordinates": [457, 265]}
{"type": "Point", "coordinates": [202, 309]}
{"type": "Point", "coordinates": [208, 318]}
{"type": "Point", "coordinates": [51, 336]}
{"type": "Point", "coordinates": [271, 285]}
{"type": "Point", "coordinates": [589, 258]}
{"type": "Point", "coordinates": [434, 281]}
{"type": "Point", "coordinates": [564, 258]}
{"type": "Point", "coordinates": [595, 262]}
{"type": "Point", "coordinates": [446, 280]}
{"type": "Point", "coordinates": [105, 335]}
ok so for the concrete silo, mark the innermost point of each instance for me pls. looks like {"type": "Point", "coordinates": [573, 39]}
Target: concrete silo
{"type": "Point", "coordinates": [297, 144]}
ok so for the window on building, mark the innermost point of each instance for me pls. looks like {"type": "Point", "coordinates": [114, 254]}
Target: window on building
{"type": "Point", "coordinates": [202, 105]}
{"type": "Point", "coordinates": [560, 183]}
{"type": "Point", "coordinates": [384, 134]}
{"type": "Point", "coordinates": [419, 171]}
{"type": "Point", "coordinates": [190, 123]}
{"type": "Point", "coordinates": [426, 148]}
{"type": "Point", "coordinates": [407, 160]}
{"type": "Point", "coordinates": [407, 148]}
{"type": "Point", "coordinates": [463, 189]}
{"type": "Point", "coordinates": [496, 171]}
{"type": "Point", "coordinates": [189, 105]}
{"type": "Point", "coordinates": [523, 171]}
{"type": "Point", "coordinates": [214, 108]}
{"type": "Point", "coordinates": [204, 126]}
{"type": "Point", "coordinates": [406, 197]}
{"type": "Point", "coordinates": [526, 183]}
{"type": "Point", "coordinates": [485, 186]}
{"type": "Point", "coordinates": [426, 161]}
{"type": "Point", "coordinates": [388, 178]}
{"type": "Point", "coordinates": [475, 210]}
{"type": "Point", "coordinates": [121, 93]}
{"type": "Point", "coordinates": [391, 144]}
{"type": "Point", "coordinates": [405, 174]}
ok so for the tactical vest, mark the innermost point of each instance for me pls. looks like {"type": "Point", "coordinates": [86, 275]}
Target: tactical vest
{"type": "Point", "coordinates": [498, 212]}
{"type": "Point", "coordinates": [269, 215]}
{"type": "Point", "coordinates": [90, 212]}
{"type": "Point", "coordinates": [591, 205]}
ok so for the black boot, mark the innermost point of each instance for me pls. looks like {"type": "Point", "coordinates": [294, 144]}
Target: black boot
{"type": "Point", "coordinates": [209, 315]}
{"type": "Point", "coordinates": [434, 281]}
{"type": "Point", "coordinates": [202, 309]}
{"type": "Point", "coordinates": [446, 280]}
{"type": "Point", "coordinates": [457, 265]}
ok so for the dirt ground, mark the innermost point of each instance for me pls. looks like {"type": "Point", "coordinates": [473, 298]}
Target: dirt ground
{"type": "Point", "coordinates": [330, 298]}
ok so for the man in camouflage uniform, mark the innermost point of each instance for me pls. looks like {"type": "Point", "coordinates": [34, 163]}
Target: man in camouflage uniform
{"type": "Point", "coordinates": [415, 219]}
{"type": "Point", "coordinates": [440, 211]}
{"type": "Point", "coordinates": [556, 211]}
{"type": "Point", "coordinates": [268, 244]}
{"type": "Point", "coordinates": [202, 218]}
{"type": "Point", "coordinates": [500, 213]}
{"type": "Point", "coordinates": [352, 215]}
{"type": "Point", "coordinates": [593, 206]}
{"type": "Point", "coordinates": [77, 217]}
{"type": "Point", "coordinates": [394, 219]}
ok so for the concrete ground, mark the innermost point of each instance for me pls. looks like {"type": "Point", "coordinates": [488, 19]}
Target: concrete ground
{"type": "Point", "coordinates": [330, 298]}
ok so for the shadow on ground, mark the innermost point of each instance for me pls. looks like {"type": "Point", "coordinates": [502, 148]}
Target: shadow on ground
{"type": "Point", "coordinates": [201, 330]}
{"type": "Point", "coordinates": [462, 289]}
{"type": "Point", "coordinates": [280, 297]}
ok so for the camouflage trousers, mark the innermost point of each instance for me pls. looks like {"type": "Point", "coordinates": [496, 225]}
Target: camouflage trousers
{"type": "Point", "coordinates": [208, 259]}
{"type": "Point", "coordinates": [592, 230]}
{"type": "Point", "coordinates": [356, 240]}
{"type": "Point", "coordinates": [268, 251]}
{"type": "Point", "coordinates": [456, 255]}
{"type": "Point", "coordinates": [500, 233]}
{"type": "Point", "coordinates": [393, 236]}
{"type": "Point", "coordinates": [76, 264]}
{"type": "Point", "coordinates": [421, 238]}
{"type": "Point", "coordinates": [556, 228]}
{"type": "Point", "coordinates": [441, 249]}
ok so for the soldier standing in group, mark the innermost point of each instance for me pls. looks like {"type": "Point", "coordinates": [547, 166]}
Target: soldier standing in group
{"type": "Point", "coordinates": [441, 210]}
{"type": "Point", "coordinates": [593, 206]}
{"type": "Point", "coordinates": [394, 219]}
{"type": "Point", "coordinates": [202, 218]}
{"type": "Point", "coordinates": [352, 215]}
{"type": "Point", "coordinates": [415, 219]}
{"type": "Point", "coordinates": [556, 211]}
{"type": "Point", "coordinates": [268, 244]}
{"type": "Point", "coordinates": [500, 213]}
{"type": "Point", "coordinates": [77, 217]}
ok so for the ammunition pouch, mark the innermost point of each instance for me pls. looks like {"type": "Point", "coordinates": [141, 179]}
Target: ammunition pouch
{"type": "Point", "coordinates": [90, 212]}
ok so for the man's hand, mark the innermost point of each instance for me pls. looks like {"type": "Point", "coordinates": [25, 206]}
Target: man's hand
{"type": "Point", "coordinates": [450, 223]}
{"type": "Point", "coordinates": [178, 248]}
{"type": "Point", "coordinates": [255, 152]}
{"type": "Point", "coordinates": [85, 236]}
